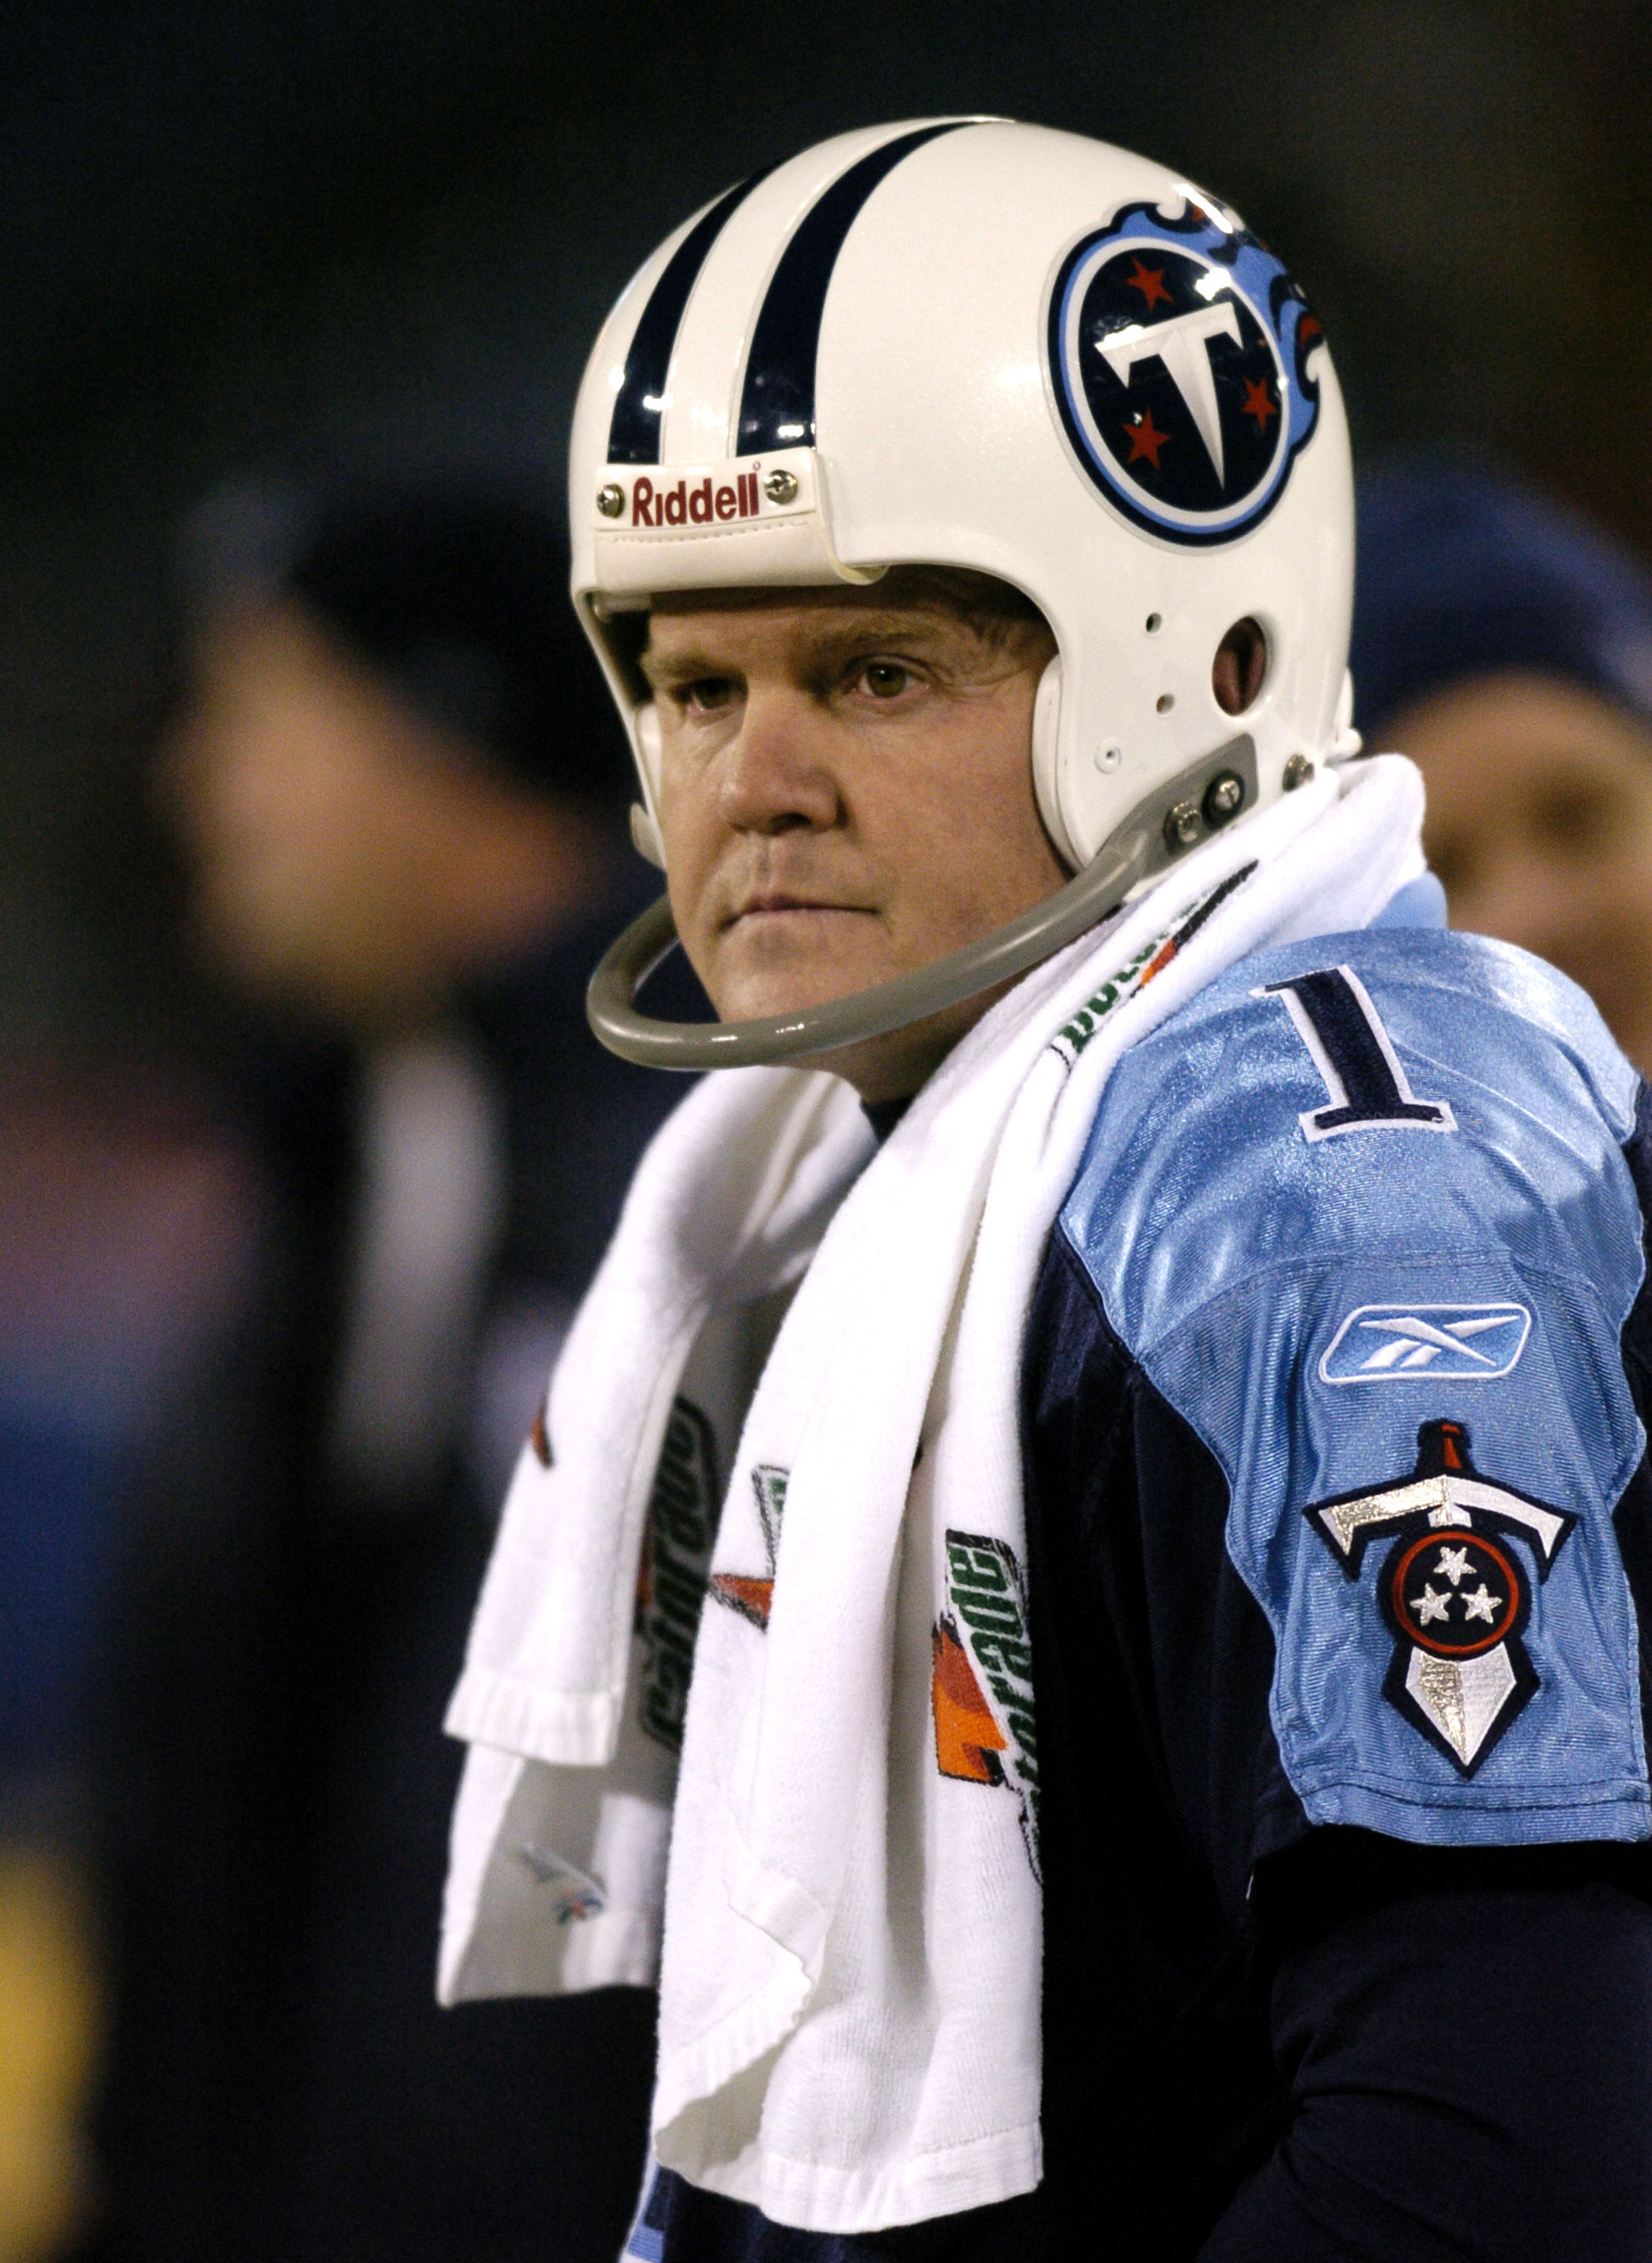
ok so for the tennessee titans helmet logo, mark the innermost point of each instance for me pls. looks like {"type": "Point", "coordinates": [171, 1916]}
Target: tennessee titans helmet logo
{"type": "Point", "coordinates": [1178, 353]}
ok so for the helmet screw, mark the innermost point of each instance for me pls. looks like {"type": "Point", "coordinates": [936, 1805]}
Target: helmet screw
{"type": "Point", "coordinates": [1109, 757]}
{"type": "Point", "coordinates": [1182, 827]}
{"type": "Point", "coordinates": [611, 499]}
{"type": "Point", "coordinates": [1224, 797]}
{"type": "Point", "coordinates": [1298, 771]}
{"type": "Point", "coordinates": [780, 487]}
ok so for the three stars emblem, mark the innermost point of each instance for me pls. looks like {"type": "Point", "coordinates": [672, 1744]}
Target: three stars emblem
{"type": "Point", "coordinates": [1452, 1591]}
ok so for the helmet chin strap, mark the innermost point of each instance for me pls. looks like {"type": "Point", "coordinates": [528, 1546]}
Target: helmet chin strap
{"type": "Point", "coordinates": [1021, 942]}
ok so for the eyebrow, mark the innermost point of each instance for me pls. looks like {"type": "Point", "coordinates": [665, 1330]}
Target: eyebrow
{"type": "Point", "coordinates": [865, 633]}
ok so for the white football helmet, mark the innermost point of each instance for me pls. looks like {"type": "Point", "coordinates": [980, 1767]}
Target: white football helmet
{"type": "Point", "coordinates": [970, 343]}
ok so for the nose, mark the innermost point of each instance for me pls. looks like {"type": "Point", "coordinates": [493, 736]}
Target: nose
{"type": "Point", "coordinates": [775, 774]}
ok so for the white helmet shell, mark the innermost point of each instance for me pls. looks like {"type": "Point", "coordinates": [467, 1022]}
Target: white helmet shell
{"type": "Point", "coordinates": [971, 342]}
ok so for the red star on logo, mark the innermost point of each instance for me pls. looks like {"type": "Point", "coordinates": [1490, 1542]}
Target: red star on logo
{"type": "Point", "coordinates": [1149, 281]}
{"type": "Point", "coordinates": [1145, 439]}
{"type": "Point", "coordinates": [1257, 404]}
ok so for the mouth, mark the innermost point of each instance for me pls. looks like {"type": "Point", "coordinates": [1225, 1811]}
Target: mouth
{"type": "Point", "coordinates": [778, 905]}
{"type": "Point", "coordinates": [778, 949]}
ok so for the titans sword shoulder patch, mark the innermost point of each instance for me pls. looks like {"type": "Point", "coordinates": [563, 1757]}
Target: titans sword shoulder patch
{"type": "Point", "coordinates": [1453, 1588]}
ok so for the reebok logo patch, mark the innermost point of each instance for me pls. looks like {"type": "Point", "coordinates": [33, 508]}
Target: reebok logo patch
{"type": "Point", "coordinates": [1401, 1343]}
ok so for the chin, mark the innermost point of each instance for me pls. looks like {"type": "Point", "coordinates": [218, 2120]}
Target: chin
{"type": "Point", "coordinates": [784, 974]}
{"type": "Point", "coordinates": [752, 997]}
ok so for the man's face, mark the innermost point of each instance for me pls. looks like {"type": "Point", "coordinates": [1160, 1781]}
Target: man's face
{"type": "Point", "coordinates": [1540, 823]}
{"type": "Point", "coordinates": [845, 795]}
{"type": "Point", "coordinates": [349, 860]}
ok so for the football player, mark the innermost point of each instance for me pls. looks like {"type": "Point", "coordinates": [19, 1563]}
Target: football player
{"type": "Point", "coordinates": [1076, 1593]}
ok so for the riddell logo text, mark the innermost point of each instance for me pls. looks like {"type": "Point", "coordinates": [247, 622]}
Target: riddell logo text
{"type": "Point", "coordinates": [694, 506]}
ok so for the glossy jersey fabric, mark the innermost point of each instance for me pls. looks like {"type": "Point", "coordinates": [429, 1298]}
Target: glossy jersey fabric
{"type": "Point", "coordinates": [1332, 1969]}
{"type": "Point", "coordinates": [1259, 1276]}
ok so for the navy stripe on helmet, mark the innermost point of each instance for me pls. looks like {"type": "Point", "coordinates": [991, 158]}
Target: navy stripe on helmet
{"type": "Point", "coordinates": [777, 403]}
{"type": "Point", "coordinates": [634, 433]}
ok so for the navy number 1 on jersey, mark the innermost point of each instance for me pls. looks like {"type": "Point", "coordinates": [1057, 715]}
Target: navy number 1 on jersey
{"type": "Point", "coordinates": [1342, 1031]}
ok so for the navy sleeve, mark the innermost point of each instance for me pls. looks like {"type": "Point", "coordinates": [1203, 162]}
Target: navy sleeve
{"type": "Point", "coordinates": [1467, 2040]}
{"type": "Point", "coordinates": [1400, 1338]}
{"type": "Point", "coordinates": [1266, 2042]}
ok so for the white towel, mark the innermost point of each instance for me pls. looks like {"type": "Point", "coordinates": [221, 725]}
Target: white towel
{"type": "Point", "coordinates": [850, 1988]}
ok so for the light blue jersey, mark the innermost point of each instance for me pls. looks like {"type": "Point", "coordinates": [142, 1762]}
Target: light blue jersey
{"type": "Point", "coordinates": [1362, 1216]}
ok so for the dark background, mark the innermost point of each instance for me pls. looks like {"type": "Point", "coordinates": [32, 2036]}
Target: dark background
{"type": "Point", "coordinates": [303, 237]}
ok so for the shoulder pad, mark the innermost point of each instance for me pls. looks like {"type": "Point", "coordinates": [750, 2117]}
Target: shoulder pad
{"type": "Point", "coordinates": [1212, 1156]}
{"type": "Point", "coordinates": [1361, 1211]}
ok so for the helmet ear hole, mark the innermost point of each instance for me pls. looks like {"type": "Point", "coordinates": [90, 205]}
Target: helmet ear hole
{"type": "Point", "coordinates": [1240, 667]}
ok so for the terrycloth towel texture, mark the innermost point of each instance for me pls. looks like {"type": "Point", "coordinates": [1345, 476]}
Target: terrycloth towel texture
{"type": "Point", "coordinates": [849, 1990]}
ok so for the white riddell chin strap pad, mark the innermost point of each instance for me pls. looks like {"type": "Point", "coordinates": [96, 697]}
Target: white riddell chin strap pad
{"type": "Point", "coordinates": [645, 824]}
{"type": "Point", "coordinates": [1047, 724]}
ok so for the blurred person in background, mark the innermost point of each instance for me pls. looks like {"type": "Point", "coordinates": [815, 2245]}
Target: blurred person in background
{"type": "Point", "coordinates": [399, 786]}
{"type": "Point", "coordinates": [1506, 647]}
